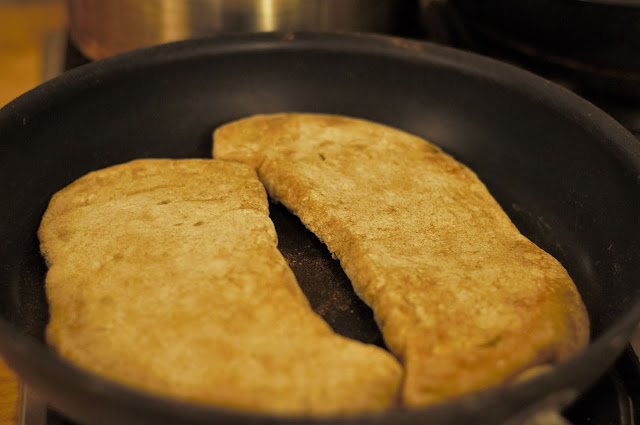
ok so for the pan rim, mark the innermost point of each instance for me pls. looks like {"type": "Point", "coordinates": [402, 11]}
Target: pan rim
{"type": "Point", "coordinates": [540, 89]}
{"type": "Point", "coordinates": [623, 145]}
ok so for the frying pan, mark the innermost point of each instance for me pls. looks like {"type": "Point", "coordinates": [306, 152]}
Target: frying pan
{"type": "Point", "coordinates": [566, 173]}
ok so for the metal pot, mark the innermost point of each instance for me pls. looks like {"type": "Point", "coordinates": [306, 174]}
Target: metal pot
{"type": "Point", "coordinates": [102, 28]}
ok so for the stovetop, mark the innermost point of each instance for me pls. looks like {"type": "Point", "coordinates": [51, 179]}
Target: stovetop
{"type": "Point", "coordinates": [444, 24]}
{"type": "Point", "coordinates": [615, 398]}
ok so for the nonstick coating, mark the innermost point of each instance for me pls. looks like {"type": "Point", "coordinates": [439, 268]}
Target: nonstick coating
{"type": "Point", "coordinates": [566, 173]}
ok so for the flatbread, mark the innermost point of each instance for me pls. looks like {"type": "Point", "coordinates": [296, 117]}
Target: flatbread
{"type": "Point", "coordinates": [165, 275]}
{"type": "Point", "coordinates": [462, 298]}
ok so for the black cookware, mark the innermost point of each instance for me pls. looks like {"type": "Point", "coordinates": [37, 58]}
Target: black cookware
{"type": "Point", "coordinates": [567, 174]}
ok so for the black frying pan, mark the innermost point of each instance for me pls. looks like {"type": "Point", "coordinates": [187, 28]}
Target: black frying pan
{"type": "Point", "coordinates": [566, 173]}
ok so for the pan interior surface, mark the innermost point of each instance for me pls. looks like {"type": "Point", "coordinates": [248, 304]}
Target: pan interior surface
{"type": "Point", "coordinates": [565, 173]}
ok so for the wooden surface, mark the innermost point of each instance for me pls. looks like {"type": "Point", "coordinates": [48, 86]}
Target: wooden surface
{"type": "Point", "coordinates": [9, 387]}
{"type": "Point", "coordinates": [24, 27]}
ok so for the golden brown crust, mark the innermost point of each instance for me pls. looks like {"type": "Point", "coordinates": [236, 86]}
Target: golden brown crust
{"type": "Point", "coordinates": [165, 274]}
{"type": "Point", "coordinates": [462, 298]}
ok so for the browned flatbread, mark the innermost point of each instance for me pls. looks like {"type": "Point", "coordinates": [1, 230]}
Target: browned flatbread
{"type": "Point", "coordinates": [164, 274]}
{"type": "Point", "coordinates": [462, 298]}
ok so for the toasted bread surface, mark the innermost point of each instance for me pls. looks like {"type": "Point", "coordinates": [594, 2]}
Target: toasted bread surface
{"type": "Point", "coordinates": [165, 275]}
{"type": "Point", "coordinates": [462, 297]}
